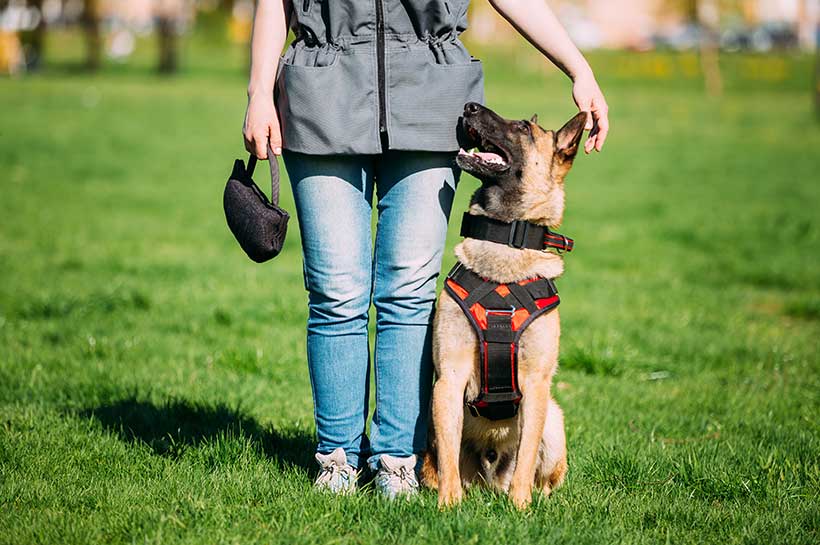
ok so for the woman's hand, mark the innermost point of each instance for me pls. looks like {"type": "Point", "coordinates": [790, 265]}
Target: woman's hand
{"type": "Point", "coordinates": [589, 98]}
{"type": "Point", "coordinates": [537, 23]}
{"type": "Point", "coordinates": [261, 128]}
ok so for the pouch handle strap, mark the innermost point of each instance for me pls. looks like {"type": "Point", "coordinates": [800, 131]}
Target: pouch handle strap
{"type": "Point", "coordinates": [274, 174]}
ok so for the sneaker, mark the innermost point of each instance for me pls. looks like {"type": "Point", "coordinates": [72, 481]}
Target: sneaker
{"type": "Point", "coordinates": [397, 476]}
{"type": "Point", "coordinates": [335, 475]}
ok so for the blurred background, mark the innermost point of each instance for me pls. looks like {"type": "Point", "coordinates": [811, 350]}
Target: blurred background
{"type": "Point", "coordinates": [32, 32]}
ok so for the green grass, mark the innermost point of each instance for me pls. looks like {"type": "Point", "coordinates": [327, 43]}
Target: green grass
{"type": "Point", "coordinates": [153, 385]}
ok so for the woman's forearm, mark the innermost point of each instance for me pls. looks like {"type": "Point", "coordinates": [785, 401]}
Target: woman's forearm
{"type": "Point", "coordinates": [270, 30]}
{"type": "Point", "coordinates": [538, 24]}
{"type": "Point", "coordinates": [534, 20]}
{"type": "Point", "coordinates": [261, 130]}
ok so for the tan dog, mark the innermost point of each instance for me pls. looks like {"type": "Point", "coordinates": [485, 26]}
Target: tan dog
{"type": "Point", "coordinates": [522, 169]}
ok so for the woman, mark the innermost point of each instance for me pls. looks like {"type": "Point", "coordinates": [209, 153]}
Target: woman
{"type": "Point", "coordinates": [368, 97]}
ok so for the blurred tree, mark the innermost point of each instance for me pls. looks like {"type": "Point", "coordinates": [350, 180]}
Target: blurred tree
{"type": "Point", "coordinates": [36, 39]}
{"type": "Point", "coordinates": [168, 13]}
{"type": "Point", "coordinates": [167, 45]}
{"type": "Point", "coordinates": [706, 15]}
{"type": "Point", "coordinates": [817, 70]}
{"type": "Point", "coordinates": [708, 12]}
{"type": "Point", "coordinates": [93, 38]}
{"type": "Point", "coordinates": [31, 40]}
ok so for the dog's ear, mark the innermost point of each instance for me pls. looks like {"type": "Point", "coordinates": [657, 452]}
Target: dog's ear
{"type": "Point", "coordinates": [534, 119]}
{"type": "Point", "coordinates": [568, 137]}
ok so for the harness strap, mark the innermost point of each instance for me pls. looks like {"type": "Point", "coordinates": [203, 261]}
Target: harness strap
{"type": "Point", "coordinates": [517, 234]}
{"type": "Point", "coordinates": [480, 292]}
{"type": "Point", "coordinates": [499, 314]}
{"type": "Point", "coordinates": [523, 296]}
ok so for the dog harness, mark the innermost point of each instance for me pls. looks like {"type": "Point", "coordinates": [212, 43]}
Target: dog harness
{"type": "Point", "coordinates": [499, 313]}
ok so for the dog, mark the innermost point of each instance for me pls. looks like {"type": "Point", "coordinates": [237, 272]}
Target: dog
{"type": "Point", "coordinates": [521, 167]}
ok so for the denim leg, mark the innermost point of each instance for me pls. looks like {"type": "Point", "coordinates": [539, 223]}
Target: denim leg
{"type": "Point", "coordinates": [415, 191]}
{"type": "Point", "coordinates": [333, 197]}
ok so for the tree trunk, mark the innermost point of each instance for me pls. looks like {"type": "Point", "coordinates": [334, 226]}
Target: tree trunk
{"type": "Point", "coordinates": [167, 44]}
{"type": "Point", "coordinates": [36, 42]}
{"type": "Point", "coordinates": [709, 16]}
{"type": "Point", "coordinates": [93, 37]}
{"type": "Point", "coordinates": [817, 70]}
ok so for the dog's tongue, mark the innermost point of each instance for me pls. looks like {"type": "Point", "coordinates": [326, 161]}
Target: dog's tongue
{"type": "Point", "coordinates": [487, 156]}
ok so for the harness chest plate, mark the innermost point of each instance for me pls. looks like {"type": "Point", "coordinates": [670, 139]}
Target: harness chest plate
{"type": "Point", "coordinates": [499, 314]}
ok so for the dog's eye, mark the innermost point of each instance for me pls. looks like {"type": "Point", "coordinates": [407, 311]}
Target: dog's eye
{"type": "Point", "coordinates": [523, 126]}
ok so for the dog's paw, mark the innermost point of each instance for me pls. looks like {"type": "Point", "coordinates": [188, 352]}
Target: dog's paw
{"type": "Point", "coordinates": [521, 497]}
{"type": "Point", "coordinates": [449, 498]}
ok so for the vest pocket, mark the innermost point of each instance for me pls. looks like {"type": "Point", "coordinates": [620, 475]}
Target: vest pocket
{"type": "Point", "coordinates": [328, 107]}
{"type": "Point", "coordinates": [427, 99]}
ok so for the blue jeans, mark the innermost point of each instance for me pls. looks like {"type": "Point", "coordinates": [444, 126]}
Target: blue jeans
{"type": "Point", "coordinates": [343, 270]}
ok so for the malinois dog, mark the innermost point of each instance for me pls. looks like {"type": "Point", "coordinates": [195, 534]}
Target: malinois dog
{"type": "Point", "coordinates": [521, 167]}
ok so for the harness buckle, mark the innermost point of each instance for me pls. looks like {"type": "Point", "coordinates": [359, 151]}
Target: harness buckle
{"type": "Point", "coordinates": [566, 245]}
{"type": "Point", "coordinates": [549, 245]}
{"type": "Point", "coordinates": [514, 231]}
{"type": "Point", "coordinates": [503, 311]}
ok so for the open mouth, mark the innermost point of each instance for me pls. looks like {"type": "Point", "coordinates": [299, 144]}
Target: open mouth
{"type": "Point", "coordinates": [484, 153]}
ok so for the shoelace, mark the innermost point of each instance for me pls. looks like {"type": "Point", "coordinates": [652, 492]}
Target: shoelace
{"type": "Point", "coordinates": [328, 472]}
{"type": "Point", "coordinates": [405, 476]}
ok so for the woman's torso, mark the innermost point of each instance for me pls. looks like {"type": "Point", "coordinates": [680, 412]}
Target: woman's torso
{"type": "Point", "coordinates": [360, 68]}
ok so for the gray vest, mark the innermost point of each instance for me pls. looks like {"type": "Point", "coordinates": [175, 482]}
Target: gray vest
{"type": "Point", "coordinates": [363, 70]}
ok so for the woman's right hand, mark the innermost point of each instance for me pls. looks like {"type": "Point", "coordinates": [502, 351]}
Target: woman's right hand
{"type": "Point", "coordinates": [261, 129]}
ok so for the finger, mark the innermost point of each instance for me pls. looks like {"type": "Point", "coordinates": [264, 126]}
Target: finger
{"type": "Point", "coordinates": [601, 138]}
{"type": "Point", "coordinates": [603, 130]}
{"type": "Point", "coordinates": [585, 105]}
{"type": "Point", "coordinates": [587, 109]}
{"type": "Point", "coordinates": [589, 145]}
{"type": "Point", "coordinates": [275, 140]}
{"type": "Point", "coordinates": [590, 122]}
{"type": "Point", "coordinates": [247, 139]}
{"type": "Point", "coordinates": [260, 141]}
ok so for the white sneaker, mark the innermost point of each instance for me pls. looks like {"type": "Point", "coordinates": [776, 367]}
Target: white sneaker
{"type": "Point", "coordinates": [335, 475]}
{"type": "Point", "coordinates": [397, 476]}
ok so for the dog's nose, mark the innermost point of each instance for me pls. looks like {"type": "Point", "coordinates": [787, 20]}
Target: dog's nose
{"type": "Point", "coordinates": [491, 455]}
{"type": "Point", "coordinates": [471, 108]}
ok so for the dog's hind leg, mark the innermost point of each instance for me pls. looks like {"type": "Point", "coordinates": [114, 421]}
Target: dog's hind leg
{"type": "Point", "coordinates": [552, 466]}
{"type": "Point", "coordinates": [429, 469]}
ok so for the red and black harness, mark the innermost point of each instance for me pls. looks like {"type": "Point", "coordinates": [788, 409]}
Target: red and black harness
{"type": "Point", "coordinates": [500, 313]}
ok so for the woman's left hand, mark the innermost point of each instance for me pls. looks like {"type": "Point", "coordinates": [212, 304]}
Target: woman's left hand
{"type": "Point", "coordinates": [589, 98]}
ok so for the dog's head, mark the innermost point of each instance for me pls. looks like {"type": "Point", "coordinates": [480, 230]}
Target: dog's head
{"type": "Point", "coordinates": [521, 166]}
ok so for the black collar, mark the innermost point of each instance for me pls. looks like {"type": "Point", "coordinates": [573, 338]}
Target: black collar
{"type": "Point", "coordinates": [518, 234]}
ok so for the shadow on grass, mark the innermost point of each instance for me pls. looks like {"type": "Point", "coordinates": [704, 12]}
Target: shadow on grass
{"type": "Point", "coordinates": [174, 426]}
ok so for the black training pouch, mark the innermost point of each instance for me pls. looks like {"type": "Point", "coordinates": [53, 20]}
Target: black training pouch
{"type": "Point", "coordinates": [258, 224]}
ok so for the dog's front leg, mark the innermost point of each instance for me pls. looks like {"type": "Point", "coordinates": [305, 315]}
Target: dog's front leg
{"type": "Point", "coordinates": [448, 418]}
{"type": "Point", "coordinates": [533, 413]}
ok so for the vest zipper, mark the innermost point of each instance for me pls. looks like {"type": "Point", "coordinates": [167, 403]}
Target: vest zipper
{"type": "Point", "coordinates": [380, 61]}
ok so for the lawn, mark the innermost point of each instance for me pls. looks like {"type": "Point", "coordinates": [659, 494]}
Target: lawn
{"type": "Point", "coordinates": [153, 385]}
